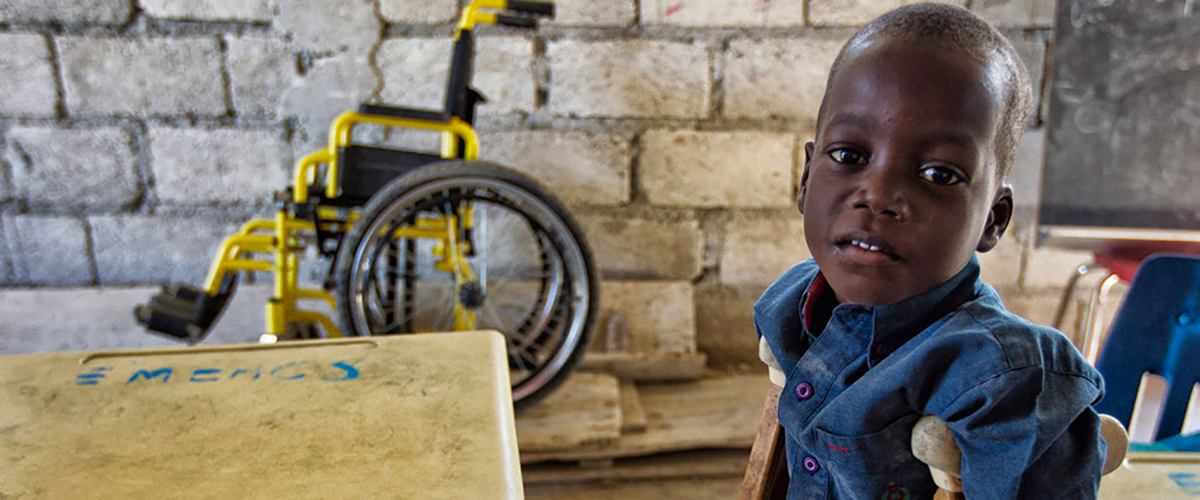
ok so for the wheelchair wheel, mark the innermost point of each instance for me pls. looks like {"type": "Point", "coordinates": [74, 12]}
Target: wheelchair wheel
{"type": "Point", "coordinates": [533, 276]}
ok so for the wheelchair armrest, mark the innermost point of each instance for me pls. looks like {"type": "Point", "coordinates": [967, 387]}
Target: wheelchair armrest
{"type": "Point", "coordinates": [398, 112]}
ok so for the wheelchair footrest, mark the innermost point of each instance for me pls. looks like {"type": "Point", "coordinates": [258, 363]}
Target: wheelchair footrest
{"type": "Point", "coordinates": [183, 312]}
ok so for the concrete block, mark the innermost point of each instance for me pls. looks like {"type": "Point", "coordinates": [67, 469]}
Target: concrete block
{"type": "Point", "coordinates": [782, 77]}
{"type": "Point", "coordinates": [1001, 267]}
{"type": "Point", "coordinates": [47, 250]}
{"type": "Point", "coordinates": [636, 248]}
{"type": "Point", "coordinates": [321, 26]}
{"type": "Point", "coordinates": [331, 87]}
{"type": "Point", "coordinates": [209, 10]}
{"type": "Point", "coordinates": [1048, 267]}
{"type": "Point", "coordinates": [6, 189]}
{"type": "Point", "coordinates": [415, 72]}
{"type": "Point", "coordinates": [725, 326]}
{"type": "Point", "coordinates": [757, 250]}
{"type": "Point", "coordinates": [504, 73]}
{"type": "Point", "coordinates": [1033, 55]}
{"type": "Point", "coordinates": [143, 76]}
{"type": "Point", "coordinates": [717, 169]}
{"type": "Point", "coordinates": [425, 12]}
{"type": "Point", "coordinates": [65, 11]}
{"type": "Point", "coordinates": [27, 81]}
{"type": "Point", "coordinates": [196, 166]}
{"type": "Point", "coordinates": [855, 12]}
{"type": "Point", "coordinates": [91, 319]}
{"type": "Point", "coordinates": [630, 78]}
{"type": "Point", "coordinates": [578, 168]}
{"type": "Point", "coordinates": [590, 13]}
{"type": "Point", "coordinates": [7, 277]}
{"type": "Point", "coordinates": [723, 13]}
{"type": "Point", "coordinates": [1016, 13]}
{"type": "Point", "coordinates": [1026, 173]}
{"type": "Point", "coordinates": [660, 314]}
{"type": "Point", "coordinates": [260, 71]}
{"type": "Point", "coordinates": [1036, 306]}
{"type": "Point", "coordinates": [144, 249]}
{"type": "Point", "coordinates": [72, 169]}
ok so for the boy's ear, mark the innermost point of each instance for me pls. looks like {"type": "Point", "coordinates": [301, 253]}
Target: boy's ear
{"type": "Point", "coordinates": [997, 221]}
{"type": "Point", "coordinates": [809, 147]}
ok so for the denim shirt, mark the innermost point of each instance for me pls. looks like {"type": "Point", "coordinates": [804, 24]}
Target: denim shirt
{"type": "Point", "coordinates": [1016, 396]}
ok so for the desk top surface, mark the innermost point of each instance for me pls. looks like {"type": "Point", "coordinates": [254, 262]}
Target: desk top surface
{"type": "Point", "coordinates": [416, 416]}
{"type": "Point", "coordinates": [1154, 475]}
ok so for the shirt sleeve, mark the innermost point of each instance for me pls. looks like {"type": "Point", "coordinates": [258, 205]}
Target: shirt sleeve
{"type": "Point", "coordinates": [1029, 434]}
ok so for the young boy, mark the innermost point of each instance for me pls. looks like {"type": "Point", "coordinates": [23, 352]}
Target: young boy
{"type": "Point", "coordinates": [889, 321]}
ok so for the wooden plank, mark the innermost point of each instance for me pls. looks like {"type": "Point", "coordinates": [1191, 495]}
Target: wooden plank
{"type": "Point", "coordinates": [767, 461]}
{"type": "Point", "coordinates": [429, 415]}
{"type": "Point", "coordinates": [674, 489]}
{"type": "Point", "coordinates": [585, 409]}
{"type": "Point", "coordinates": [656, 367]}
{"type": "Point", "coordinates": [679, 465]}
{"type": "Point", "coordinates": [633, 415]}
{"type": "Point", "coordinates": [710, 413]}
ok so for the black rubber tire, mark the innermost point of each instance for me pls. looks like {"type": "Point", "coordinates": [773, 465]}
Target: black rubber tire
{"type": "Point", "coordinates": [458, 172]}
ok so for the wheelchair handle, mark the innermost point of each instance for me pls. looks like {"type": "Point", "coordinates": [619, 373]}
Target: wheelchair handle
{"type": "Point", "coordinates": [516, 21]}
{"type": "Point", "coordinates": [534, 8]}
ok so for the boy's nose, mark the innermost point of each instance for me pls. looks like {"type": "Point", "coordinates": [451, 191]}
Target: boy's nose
{"type": "Point", "coordinates": [882, 194]}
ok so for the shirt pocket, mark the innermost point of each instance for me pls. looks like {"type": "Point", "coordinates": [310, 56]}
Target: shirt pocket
{"type": "Point", "coordinates": [878, 453]}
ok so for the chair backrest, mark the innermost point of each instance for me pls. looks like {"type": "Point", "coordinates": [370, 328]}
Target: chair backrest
{"type": "Point", "coordinates": [1157, 331]}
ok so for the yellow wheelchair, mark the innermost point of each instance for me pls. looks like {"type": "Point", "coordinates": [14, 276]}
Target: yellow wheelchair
{"type": "Point", "coordinates": [418, 242]}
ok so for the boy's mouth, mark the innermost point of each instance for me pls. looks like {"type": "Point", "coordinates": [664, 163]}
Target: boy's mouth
{"type": "Point", "coordinates": [868, 244]}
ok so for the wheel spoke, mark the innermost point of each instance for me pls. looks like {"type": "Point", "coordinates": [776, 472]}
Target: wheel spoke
{"type": "Point", "coordinates": [525, 254]}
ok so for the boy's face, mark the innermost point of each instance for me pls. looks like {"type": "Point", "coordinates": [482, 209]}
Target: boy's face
{"type": "Point", "coordinates": [901, 187]}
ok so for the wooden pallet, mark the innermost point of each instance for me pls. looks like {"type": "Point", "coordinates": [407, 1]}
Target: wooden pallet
{"type": "Point", "coordinates": [679, 465]}
{"type": "Point", "coordinates": [709, 413]}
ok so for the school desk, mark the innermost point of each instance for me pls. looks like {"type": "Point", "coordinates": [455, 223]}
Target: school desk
{"type": "Point", "coordinates": [411, 416]}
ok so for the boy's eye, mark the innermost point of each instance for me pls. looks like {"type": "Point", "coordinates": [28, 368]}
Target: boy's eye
{"type": "Point", "coordinates": [849, 156]}
{"type": "Point", "coordinates": [941, 176]}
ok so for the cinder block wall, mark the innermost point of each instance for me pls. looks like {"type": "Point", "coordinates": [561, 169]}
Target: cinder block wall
{"type": "Point", "coordinates": [137, 133]}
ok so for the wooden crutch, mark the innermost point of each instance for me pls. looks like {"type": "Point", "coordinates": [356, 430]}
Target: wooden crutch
{"type": "Point", "coordinates": [933, 444]}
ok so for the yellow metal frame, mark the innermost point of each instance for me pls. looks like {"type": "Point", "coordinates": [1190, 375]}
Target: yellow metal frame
{"type": "Point", "coordinates": [283, 238]}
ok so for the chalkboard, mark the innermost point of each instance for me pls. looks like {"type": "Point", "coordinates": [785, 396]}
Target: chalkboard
{"type": "Point", "coordinates": [1123, 138]}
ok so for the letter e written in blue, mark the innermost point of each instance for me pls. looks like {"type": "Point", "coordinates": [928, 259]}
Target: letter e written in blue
{"type": "Point", "coordinates": [198, 374]}
{"type": "Point", "coordinates": [165, 373]}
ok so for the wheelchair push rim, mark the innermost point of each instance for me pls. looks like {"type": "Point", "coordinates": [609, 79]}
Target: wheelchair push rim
{"type": "Point", "coordinates": [528, 272]}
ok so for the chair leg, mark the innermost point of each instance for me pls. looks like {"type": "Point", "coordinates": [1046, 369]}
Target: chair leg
{"type": "Point", "coordinates": [1065, 301]}
{"type": "Point", "coordinates": [1093, 327]}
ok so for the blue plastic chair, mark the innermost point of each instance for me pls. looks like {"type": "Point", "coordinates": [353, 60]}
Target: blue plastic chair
{"type": "Point", "coordinates": [1157, 330]}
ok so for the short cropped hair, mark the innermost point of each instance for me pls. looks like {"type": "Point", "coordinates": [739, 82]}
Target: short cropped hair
{"type": "Point", "coordinates": [955, 28]}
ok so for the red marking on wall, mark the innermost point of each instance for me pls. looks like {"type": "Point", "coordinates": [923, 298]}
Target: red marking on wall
{"type": "Point", "coordinates": [675, 8]}
{"type": "Point", "coordinates": [837, 448]}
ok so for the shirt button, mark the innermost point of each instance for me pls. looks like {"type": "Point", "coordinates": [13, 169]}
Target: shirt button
{"type": "Point", "coordinates": [804, 391]}
{"type": "Point", "coordinates": [811, 465]}
{"type": "Point", "coordinates": [881, 349]}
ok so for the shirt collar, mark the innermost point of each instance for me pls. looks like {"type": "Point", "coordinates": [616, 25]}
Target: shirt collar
{"type": "Point", "coordinates": [816, 290]}
{"type": "Point", "coordinates": [895, 324]}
